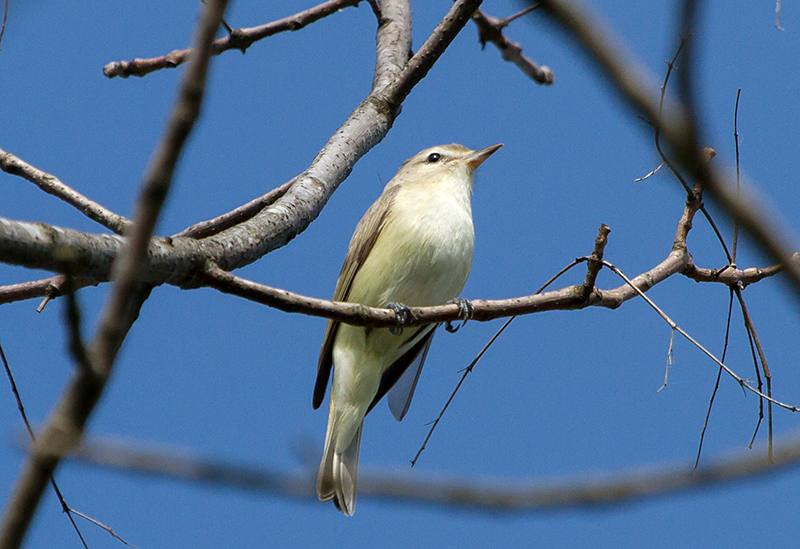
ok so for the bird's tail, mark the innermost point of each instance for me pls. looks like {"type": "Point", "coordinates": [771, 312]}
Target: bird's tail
{"type": "Point", "coordinates": [338, 472]}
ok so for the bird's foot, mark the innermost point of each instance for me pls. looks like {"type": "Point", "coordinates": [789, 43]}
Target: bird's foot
{"type": "Point", "coordinates": [466, 310]}
{"type": "Point", "coordinates": [403, 314]}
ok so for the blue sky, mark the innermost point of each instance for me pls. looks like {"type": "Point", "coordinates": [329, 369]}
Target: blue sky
{"type": "Point", "coordinates": [562, 395]}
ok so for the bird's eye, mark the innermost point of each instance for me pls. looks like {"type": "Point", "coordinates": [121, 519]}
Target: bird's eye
{"type": "Point", "coordinates": [434, 157]}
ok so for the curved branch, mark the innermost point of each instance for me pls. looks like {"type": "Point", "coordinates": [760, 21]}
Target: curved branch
{"type": "Point", "coordinates": [239, 39]}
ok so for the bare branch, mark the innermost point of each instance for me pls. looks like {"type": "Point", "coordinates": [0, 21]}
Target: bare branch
{"type": "Point", "coordinates": [490, 29]}
{"type": "Point", "coordinates": [52, 185]}
{"type": "Point", "coordinates": [762, 358]}
{"type": "Point", "coordinates": [48, 287]}
{"type": "Point", "coordinates": [241, 214]}
{"type": "Point", "coordinates": [719, 376]}
{"type": "Point", "coordinates": [361, 315]}
{"type": "Point", "coordinates": [569, 298]}
{"type": "Point", "coordinates": [489, 495]}
{"type": "Point", "coordinates": [5, 17]}
{"type": "Point", "coordinates": [675, 327]}
{"type": "Point", "coordinates": [732, 275]}
{"type": "Point", "coordinates": [64, 427]}
{"type": "Point", "coordinates": [238, 39]}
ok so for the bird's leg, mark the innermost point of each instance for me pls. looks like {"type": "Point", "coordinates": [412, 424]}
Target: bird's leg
{"type": "Point", "coordinates": [402, 314]}
{"type": "Point", "coordinates": [465, 311]}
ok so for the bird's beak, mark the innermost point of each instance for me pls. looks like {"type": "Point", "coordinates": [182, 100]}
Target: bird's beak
{"type": "Point", "coordinates": [477, 158]}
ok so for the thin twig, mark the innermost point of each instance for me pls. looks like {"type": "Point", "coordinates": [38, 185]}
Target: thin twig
{"type": "Point", "coordinates": [650, 174]}
{"type": "Point", "coordinates": [705, 351]}
{"type": "Point", "coordinates": [716, 383]}
{"type": "Point", "coordinates": [738, 175]}
{"type": "Point", "coordinates": [525, 11]}
{"type": "Point", "coordinates": [760, 385]}
{"type": "Point", "coordinates": [670, 360]}
{"type": "Point", "coordinates": [108, 529]}
{"type": "Point", "coordinates": [665, 159]}
{"type": "Point", "coordinates": [214, 226]}
{"type": "Point", "coordinates": [762, 358]}
{"type": "Point", "coordinates": [5, 17]}
{"type": "Point", "coordinates": [64, 507]}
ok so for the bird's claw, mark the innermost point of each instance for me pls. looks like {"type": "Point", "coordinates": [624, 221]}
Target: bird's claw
{"type": "Point", "coordinates": [402, 315]}
{"type": "Point", "coordinates": [465, 311]}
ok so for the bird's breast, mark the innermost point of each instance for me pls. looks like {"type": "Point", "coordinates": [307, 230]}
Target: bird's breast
{"type": "Point", "coordinates": [423, 254]}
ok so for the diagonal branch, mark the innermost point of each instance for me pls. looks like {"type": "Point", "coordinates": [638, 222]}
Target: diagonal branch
{"type": "Point", "coordinates": [64, 427]}
{"type": "Point", "coordinates": [740, 380]}
{"type": "Point", "coordinates": [490, 29]}
{"type": "Point", "coordinates": [238, 39]}
{"type": "Point", "coordinates": [52, 185]}
{"type": "Point", "coordinates": [204, 229]}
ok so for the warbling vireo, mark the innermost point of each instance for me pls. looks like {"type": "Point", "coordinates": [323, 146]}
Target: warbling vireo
{"type": "Point", "coordinates": [413, 247]}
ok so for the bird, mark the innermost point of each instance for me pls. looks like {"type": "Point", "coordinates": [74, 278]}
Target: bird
{"type": "Point", "coordinates": [413, 248]}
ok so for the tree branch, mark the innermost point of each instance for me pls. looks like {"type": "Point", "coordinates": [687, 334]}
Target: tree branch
{"type": "Point", "coordinates": [180, 261]}
{"type": "Point", "coordinates": [490, 29]}
{"type": "Point", "coordinates": [678, 127]}
{"type": "Point", "coordinates": [47, 287]}
{"type": "Point", "coordinates": [64, 427]}
{"type": "Point", "coordinates": [489, 495]}
{"type": "Point", "coordinates": [52, 185]}
{"type": "Point", "coordinates": [679, 261]}
{"type": "Point", "coordinates": [239, 39]}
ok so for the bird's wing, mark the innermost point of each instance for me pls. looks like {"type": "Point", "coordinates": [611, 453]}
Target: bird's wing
{"type": "Point", "coordinates": [402, 392]}
{"type": "Point", "coordinates": [361, 244]}
{"type": "Point", "coordinates": [400, 379]}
